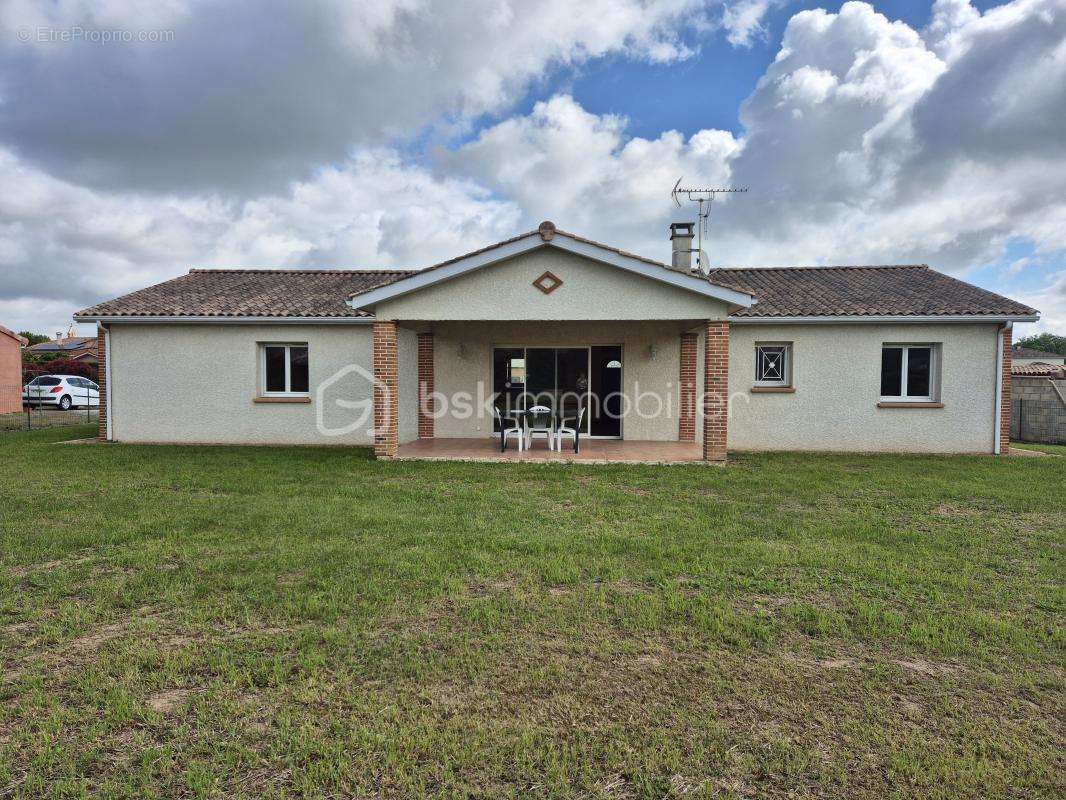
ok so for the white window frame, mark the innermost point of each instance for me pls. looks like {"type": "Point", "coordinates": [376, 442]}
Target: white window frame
{"type": "Point", "coordinates": [934, 372]}
{"type": "Point", "coordinates": [263, 391]}
{"type": "Point", "coordinates": [786, 379]}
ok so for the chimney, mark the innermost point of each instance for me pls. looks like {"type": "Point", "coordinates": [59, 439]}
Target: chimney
{"type": "Point", "coordinates": [681, 242]}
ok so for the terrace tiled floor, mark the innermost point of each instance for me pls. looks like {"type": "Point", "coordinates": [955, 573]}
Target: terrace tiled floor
{"type": "Point", "coordinates": [601, 451]}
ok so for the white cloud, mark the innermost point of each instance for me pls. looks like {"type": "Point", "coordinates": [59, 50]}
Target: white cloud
{"type": "Point", "coordinates": [743, 20]}
{"type": "Point", "coordinates": [63, 246]}
{"type": "Point", "coordinates": [248, 95]}
{"type": "Point", "coordinates": [865, 141]}
{"type": "Point", "coordinates": [862, 145]}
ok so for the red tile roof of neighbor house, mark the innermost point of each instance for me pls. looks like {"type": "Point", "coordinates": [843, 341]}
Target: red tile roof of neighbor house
{"type": "Point", "coordinates": [75, 343]}
{"type": "Point", "coordinates": [1038, 369]}
{"type": "Point", "coordinates": [910, 290]}
{"type": "Point", "coordinates": [8, 332]}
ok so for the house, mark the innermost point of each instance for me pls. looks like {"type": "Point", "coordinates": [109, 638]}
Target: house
{"type": "Point", "coordinates": [1027, 355]}
{"type": "Point", "coordinates": [1038, 398]}
{"type": "Point", "coordinates": [664, 358]}
{"type": "Point", "coordinates": [69, 346]}
{"type": "Point", "coordinates": [11, 345]}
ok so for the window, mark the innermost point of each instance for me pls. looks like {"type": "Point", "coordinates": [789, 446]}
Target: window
{"type": "Point", "coordinates": [908, 372]}
{"type": "Point", "coordinates": [285, 369]}
{"type": "Point", "coordinates": [773, 364]}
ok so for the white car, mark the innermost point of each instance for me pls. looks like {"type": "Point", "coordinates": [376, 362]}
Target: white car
{"type": "Point", "coordinates": [62, 391]}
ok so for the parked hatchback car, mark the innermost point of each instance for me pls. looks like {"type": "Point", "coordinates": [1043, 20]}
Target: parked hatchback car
{"type": "Point", "coordinates": [62, 391]}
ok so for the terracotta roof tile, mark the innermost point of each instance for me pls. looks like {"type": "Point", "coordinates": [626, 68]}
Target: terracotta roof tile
{"type": "Point", "coordinates": [901, 290]}
{"type": "Point", "coordinates": [249, 293]}
{"type": "Point", "coordinates": [1039, 369]}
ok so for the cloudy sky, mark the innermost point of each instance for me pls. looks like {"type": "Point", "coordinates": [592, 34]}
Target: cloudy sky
{"type": "Point", "coordinates": [368, 133]}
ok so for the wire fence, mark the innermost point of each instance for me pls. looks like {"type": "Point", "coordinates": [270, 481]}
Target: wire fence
{"type": "Point", "coordinates": [19, 412]}
{"type": "Point", "coordinates": [1042, 421]}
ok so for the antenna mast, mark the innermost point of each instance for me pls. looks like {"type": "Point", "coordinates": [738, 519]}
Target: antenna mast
{"type": "Point", "coordinates": [704, 197]}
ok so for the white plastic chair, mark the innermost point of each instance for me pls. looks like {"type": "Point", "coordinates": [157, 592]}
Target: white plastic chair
{"type": "Point", "coordinates": [540, 422]}
{"type": "Point", "coordinates": [573, 433]}
{"type": "Point", "coordinates": [514, 432]}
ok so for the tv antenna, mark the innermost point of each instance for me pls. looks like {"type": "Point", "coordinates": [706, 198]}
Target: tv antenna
{"type": "Point", "coordinates": [704, 197]}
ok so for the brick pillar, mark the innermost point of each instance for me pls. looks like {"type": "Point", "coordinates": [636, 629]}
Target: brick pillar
{"type": "Point", "coordinates": [686, 427]}
{"type": "Point", "coordinates": [386, 390]}
{"type": "Point", "coordinates": [715, 390]}
{"type": "Point", "coordinates": [101, 380]}
{"type": "Point", "coordinates": [1004, 406]}
{"type": "Point", "coordinates": [425, 385]}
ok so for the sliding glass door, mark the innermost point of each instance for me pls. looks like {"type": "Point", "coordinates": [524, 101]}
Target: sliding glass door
{"type": "Point", "coordinates": [563, 378]}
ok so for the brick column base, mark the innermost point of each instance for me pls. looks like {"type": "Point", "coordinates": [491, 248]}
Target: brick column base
{"type": "Point", "coordinates": [425, 386]}
{"type": "Point", "coordinates": [686, 427]}
{"type": "Point", "coordinates": [101, 380]}
{"type": "Point", "coordinates": [715, 390]}
{"type": "Point", "coordinates": [386, 390]}
{"type": "Point", "coordinates": [1005, 402]}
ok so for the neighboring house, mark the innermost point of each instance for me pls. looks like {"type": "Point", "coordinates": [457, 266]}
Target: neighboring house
{"type": "Point", "coordinates": [70, 346]}
{"type": "Point", "coordinates": [11, 345]}
{"type": "Point", "coordinates": [1038, 396]}
{"type": "Point", "coordinates": [895, 358]}
{"type": "Point", "coordinates": [1027, 355]}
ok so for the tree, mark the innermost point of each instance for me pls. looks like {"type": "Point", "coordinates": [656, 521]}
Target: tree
{"type": "Point", "coordinates": [33, 338]}
{"type": "Point", "coordinates": [1048, 342]}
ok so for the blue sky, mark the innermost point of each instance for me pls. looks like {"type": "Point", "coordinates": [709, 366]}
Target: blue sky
{"type": "Point", "coordinates": [703, 92]}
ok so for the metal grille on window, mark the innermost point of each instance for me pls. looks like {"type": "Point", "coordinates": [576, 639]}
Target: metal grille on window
{"type": "Point", "coordinates": [771, 364]}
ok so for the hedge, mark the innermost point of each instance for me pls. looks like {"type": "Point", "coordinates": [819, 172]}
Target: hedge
{"type": "Point", "coordinates": [60, 366]}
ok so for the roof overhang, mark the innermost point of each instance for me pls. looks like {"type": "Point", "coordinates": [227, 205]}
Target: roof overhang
{"type": "Point", "coordinates": [561, 241]}
{"type": "Point", "coordinates": [225, 320]}
{"type": "Point", "coordinates": [851, 320]}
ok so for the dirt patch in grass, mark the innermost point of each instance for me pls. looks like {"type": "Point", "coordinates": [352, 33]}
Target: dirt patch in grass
{"type": "Point", "coordinates": [92, 641]}
{"type": "Point", "coordinates": [22, 570]}
{"type": "Point", "coordinates": [169, 700]}
{"type": "Point", "coordinates": [950, 510]}
{"type": "Point", "coordinates": [932, 668]}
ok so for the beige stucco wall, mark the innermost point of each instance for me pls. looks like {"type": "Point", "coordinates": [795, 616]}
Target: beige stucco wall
{"type": "Point", "coordinates": [837, 376]}
{"type": "Point", "coordinates": [590, 290]}
{"type": "Point", "coordinates": [641, 371]}
{"type": "Point", "coordinates": [196, 383]}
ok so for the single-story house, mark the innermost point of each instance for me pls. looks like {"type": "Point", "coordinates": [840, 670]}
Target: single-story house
{"type": "Point", "coordinates": [659, 355]}
{"type": "Point", "coordinates": [11, 345]}
{"type": "Point", "coordinates": [1027, 355]}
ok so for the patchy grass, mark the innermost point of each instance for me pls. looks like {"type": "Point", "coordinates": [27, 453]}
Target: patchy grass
{"type": "Point", "coordinates": [1053, 449]}
{"type": "Point", "coordinates": [40, 417]}
{"type": "Point", "coordinates": [287, 622]}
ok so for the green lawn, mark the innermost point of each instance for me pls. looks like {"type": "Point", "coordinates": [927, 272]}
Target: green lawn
{"type": "Point", "coordinates": [283, 622]}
